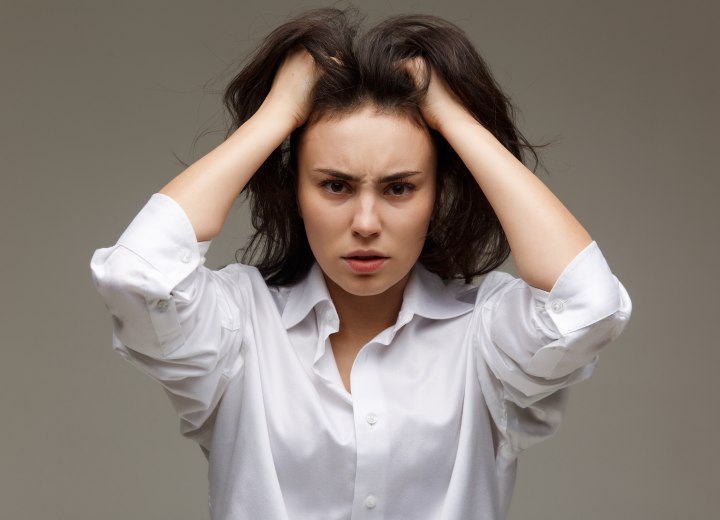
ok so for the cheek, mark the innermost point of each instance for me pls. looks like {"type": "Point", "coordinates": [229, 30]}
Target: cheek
{"type": "Point", "coordinates": [319, 219]}
{"type": "Point", "coordinates": [423, 214]}
{"type": "Point", "coordinates": [306, 205]}
{"type": "Point", "coordinates": [409, 227]}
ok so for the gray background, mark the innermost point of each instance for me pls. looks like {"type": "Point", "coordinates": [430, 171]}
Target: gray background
{"type": "Point", "coordinates": [98, 96]}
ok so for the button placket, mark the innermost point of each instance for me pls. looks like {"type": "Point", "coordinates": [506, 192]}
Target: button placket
{"type": "Point", "coordinates": [371, 434]}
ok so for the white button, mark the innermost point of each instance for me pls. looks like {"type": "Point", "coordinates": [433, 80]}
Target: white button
{"type": "Point", "coordinates": [371, 418]}
{"type": "Point", "coordinates": [370, 501]}
{"type": "Point", "coordinates": [162, 305]}
{"type": "Point", "coordinates": [557, 306]}
{"type": "Point", "coordinates": [187, 256]}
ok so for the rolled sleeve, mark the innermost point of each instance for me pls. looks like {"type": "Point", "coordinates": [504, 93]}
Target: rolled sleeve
{"type": "Point", "coordinates": [163, 236]}
{"type": "Point", "coordinates": [585, 293]}
{"type": "Point", "coordinates": [535, 337]}
{"type": "Point", "coordinates": [531, 343]}
{"type": "Point", "coordinates": [137, 276]}
{"type": "Point", "coordinates": [176, 320]}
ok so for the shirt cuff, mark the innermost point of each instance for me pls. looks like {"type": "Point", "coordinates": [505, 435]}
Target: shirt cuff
{"type": "Point", "coordinates": [162, 235]}
{"type": "Point", "coordinates": [585, 293]}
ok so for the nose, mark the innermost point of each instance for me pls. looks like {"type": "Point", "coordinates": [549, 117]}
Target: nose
{"type": "Point", "coordinates": [366, 220]}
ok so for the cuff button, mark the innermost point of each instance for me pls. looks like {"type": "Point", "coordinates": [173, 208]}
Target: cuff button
{"type": "Point", "coordinates": [557, 306]}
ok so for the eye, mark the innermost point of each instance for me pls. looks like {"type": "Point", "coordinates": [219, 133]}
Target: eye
{"type": "Point", "coordinates": [334, 186]}
{"type": "Point", "coordinates": [399, 189]}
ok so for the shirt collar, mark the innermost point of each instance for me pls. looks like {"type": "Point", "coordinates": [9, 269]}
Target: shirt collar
{"type": "Point", "coordinates": [429, 296]}
{"type": "Point", "coordinates": [426, 295]}
{"type": "Point", "coordinates": [304, 296]}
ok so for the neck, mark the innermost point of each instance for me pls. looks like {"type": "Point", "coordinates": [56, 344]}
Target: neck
{"type": "Point", "coordinates": [363, 317]}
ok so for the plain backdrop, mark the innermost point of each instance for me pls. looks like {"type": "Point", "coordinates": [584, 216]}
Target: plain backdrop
{"type": "Point", "coordinates": [99, 101]}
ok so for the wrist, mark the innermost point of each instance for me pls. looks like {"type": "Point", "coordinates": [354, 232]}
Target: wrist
{"type": "Point", "coordinates": [454, 118]}
{"type": "Point", "coordinates": [277, 115]}
{"type": "Point", "coordinates": [457, 120]}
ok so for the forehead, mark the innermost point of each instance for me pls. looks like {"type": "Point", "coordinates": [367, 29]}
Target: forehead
{"type": "Point", "coordinates": [367, 142]}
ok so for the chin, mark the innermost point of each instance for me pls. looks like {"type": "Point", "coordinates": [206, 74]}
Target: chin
{"type": "Point", "coordinates": [365, 289]}
{"type": "Point", "coordinates": [368, 285]}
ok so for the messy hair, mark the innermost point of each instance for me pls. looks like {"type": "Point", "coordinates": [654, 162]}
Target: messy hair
{"type": "Point", "coordinates": [465, 238]}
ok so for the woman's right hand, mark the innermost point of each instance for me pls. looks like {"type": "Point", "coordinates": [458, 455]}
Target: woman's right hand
{"type": "Point", "coordinates": [291, 91]}
{"type": "Point", "coordinates": [207, 189]}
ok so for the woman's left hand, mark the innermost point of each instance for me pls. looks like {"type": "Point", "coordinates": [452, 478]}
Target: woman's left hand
{"type": "Point", "coordinates": [544, 236]}
{"type": "Point", "coordinates": [440, 103]}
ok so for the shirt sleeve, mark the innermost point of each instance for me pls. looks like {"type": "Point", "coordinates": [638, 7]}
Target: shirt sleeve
{"type": "Point", "coordinates": [178, 321]}
{"type": "Point", "coordinates": [532, 344]}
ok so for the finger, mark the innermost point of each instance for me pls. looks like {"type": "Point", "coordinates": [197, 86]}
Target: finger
{"type": "Point", "coordinates": [417, 68]}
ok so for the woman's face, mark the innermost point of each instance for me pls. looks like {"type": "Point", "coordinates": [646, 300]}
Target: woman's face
{"type": "Point", "coordinates": [366, 192]}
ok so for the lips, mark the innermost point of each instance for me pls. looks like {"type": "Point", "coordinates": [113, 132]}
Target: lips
{"type": "Point", "coordinates": [365, 261]}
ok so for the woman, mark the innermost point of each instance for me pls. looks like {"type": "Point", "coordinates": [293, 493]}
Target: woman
{"type": "Point", "coordinates": [354, 372]}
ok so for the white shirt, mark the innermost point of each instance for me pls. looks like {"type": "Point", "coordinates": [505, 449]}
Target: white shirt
{"type": "Point", "coordinates": [442, 402]}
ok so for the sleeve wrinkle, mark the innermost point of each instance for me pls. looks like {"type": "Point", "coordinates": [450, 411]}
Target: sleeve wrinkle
{"type": "Point", "coordinates": [172, 317]}
{"type": "Point", "coordinates": [533, 343]}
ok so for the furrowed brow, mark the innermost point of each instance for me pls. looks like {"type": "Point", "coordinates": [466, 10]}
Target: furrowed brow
{"type": "Point", "coordinates": [399, 176]}
{"type": "Point", "coordinates": [336, 174]}
{"type": "Point", "coordinates": [347, 177]}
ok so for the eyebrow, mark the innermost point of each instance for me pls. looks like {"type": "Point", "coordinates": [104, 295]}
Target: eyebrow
{"type": "Point", "coordinates": [347, 177]}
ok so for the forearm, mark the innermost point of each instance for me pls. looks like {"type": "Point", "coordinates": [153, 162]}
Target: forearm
{"type": "Point", "coordinates": [543, 235]}
{"type": "Point", "coordinates": [207, 189]}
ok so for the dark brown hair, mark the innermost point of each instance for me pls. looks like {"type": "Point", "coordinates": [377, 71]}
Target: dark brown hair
{"type": "Point", "coordinates": [465, 238]}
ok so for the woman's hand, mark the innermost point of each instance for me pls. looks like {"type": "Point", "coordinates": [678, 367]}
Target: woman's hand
{"type": "Point", "coordinates": [440, 105]}
{"type": "Point", "coordinates": [207, 189]}
{"type": "Point", "coordinates": [544, 236]}
{"type": "Point", "coordinates": [291, 91]}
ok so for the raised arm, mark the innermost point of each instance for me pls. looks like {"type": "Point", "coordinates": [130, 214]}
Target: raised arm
{"type": "Point", "coordinates": [544, 236]}
{"type": "Point", "coordinates": [178, 321]}
{"type": "Point", "coordinates": [207, 188]}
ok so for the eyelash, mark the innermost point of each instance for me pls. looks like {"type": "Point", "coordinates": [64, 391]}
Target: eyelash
{"type": "Point", "coordinates": [408, 187]}
{"type": "Point", "coordinates": [328, 183]}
